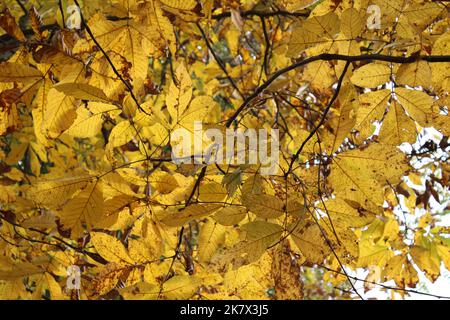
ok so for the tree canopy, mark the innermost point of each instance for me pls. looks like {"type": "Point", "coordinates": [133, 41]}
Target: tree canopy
{"type": "Point", "coordinates": [91, 91]}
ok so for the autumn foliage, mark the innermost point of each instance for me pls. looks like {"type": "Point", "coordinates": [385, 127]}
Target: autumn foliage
{"type": "Point", "coordinates": [88, 101]}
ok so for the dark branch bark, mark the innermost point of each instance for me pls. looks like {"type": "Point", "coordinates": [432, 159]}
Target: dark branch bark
{"type": "Point", "coordinates": [61, 241]}
{"type": "Point", "coordinates": [22, 7]}
{"type": "Point", "coordinates": [127, 85]}
{"type": "Point", "coordinates": [322, 119]}
{"type": "Point", "coordinates": [267, 49]}
{"type": "Point", "coordinates": [181, 233]}
{"type": "Point", "coordinates": [219, 61]}
{"type": "Point", "coordinates": [61, 10]}
{"type": "Point", "coordinates": [263, 14]}
{"type": "Point", "coordinates": [330, 57]}
{"type": "Point", "coordinates": [386, 286]}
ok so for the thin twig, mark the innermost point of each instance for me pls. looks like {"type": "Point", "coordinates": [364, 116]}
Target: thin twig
{"type": "Point", "coordinates": [319, 191]}
{"type": "Point", "coordinates": [386, 286]}
{"type": "Point", "coordinates": [330, 57]}
{"type": "Point", "coordinates": [219, 61]}
{"type": "Point", "coordinates": [92, 255]}
{"type": "Point", "coordinates": [263, 14]}
{"type": "Point", "coordinates": [61, 10]}
{"type": "Point", "coordinates": [328, 242]}
{"type": "Point", "coordinates": [267, 49]}
{"type": "Point", "coordinates": [130, 89]}
{"type": "Point", "coordinates": [322, 120]}
{"type": "Point", "coordinates": [181, 233]}
{"type": "Point", "coordinates": [341, 78]}
{"type": "Point", "coordinates": [21, 5]}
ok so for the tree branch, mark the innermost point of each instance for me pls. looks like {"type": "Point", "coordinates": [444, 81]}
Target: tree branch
{"type": "Point", "coordinates": [219, 61]}
{"type": "Point", "coordinates": [22, 7]}
{"type": "Point", "coordinates": [181, 233]}
{"type": "Point", "coordinates": [386, 286]}
{"type": "Point", "coordinates": [267, 48]}
{"type": "Point", "coordinates": [322, 119]}
{"type": "Point", "coordinates": [330, 57]}
{"type": "Point", "coordinates": [127, 85]}
{"type": "Point", "coordinates": [262, 14]}
{"type": "Point", "coordinates": [92, 255]}
{"type": "Point", "coordinates": [61, 10]}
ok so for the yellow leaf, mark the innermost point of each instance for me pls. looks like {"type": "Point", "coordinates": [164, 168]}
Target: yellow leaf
{"type": "Point", "coordinates": [249, 281]}
{"type": "Point", "coordinates": [264, 205]}
{"type": "Point", "coordinates": [230, 215]}
{"type": "Point", "coordinates": [86, 206]}
{"type": "Point", "coordinates": [108, 277]}
{"type": "Point", "coordinates": [20, 270]}
{"type": "Point", "coordinates": [371, 75]}
{"type": "Point", "coordinates": [418, 104]}
{"type": "Point", "coordinates": [421, 14]}
{"type": "Point", "coordinates": [54, 287]}
{"type": "Point", "coordinates": [140, 291]}
{"type": "Point", "coordinates": [212, 235]}
{"type": "Point", "coordinates": [397, 127]}
{"type": "Point", "coordinates": [35, 164]}
{"type": "Point", "coordinates": [359, 175]}
{"type": "Point", "coordinates": [441, 71]}
{"type": "Point", "coordinates": [159, 22]}
{"type": "Point", "coordinates": [372, 106]}
{"type": "Point", "coordinates": [313, 31]}
{"type": "Point", "coordinates": [86, 125]}
{"type": "Point", "coordinates": [198, 111]}
{"type": "Point", "coordinates": [414, 74]}
{"type": "Point", "coordinates": [192, 212]}
{"type": "Point", "coordinates": [180, 4]}
{"type": "Point", "coordinates": [352, 23]}
{"type": "Point", "coordinates": [10, 72]}
{"type": "Point", "coordinates": [371, 254]}
{"type": "Point", "coordinates": [343, 123]}
{"type": "Point", "coordinates": [444, 254]}
{"type": "Point", "coordinates": [55, 192]}
{"type": "Point", "coordinates": [427, 260]}
{"type": "Point", "coordinates": [44, 221]}
{"type": "Point", "coordinates": [9, 120]}
{"type": "Point", "coordinates": [181, 94]}
{"type": "Point", "coordinates": [163, 182]}
{"type": "Point", "coordinates": [348, 213]}
{"type": "Point", "coordinates": [401, 270]}
{"type": "Point", "coordinates": [212, 192]}
{"type": "Point", "coordinates": [286, 273]}
{"type": "Point", "coordinates": [110, 248]}
{"type": "Point", "coordinates": [309, 239]}
{"type": "Point", "coordinates": [82, 91]}
{"type": "Point", "coordinates": [129, 38]}
{"type": "Point", "coordinates": [121, 134]}
{"type": "Point", "coordinates": [295, 5]}
{"type": "Point", "coordinates": [8, 23]}
{"type": "Point", "coordinates": [259, 235]}
{"type": "Point", "coordinates": [180, 287]}
{"type": "Point", "coordinates": [147, 242]}
{"type": "Point", "coordinates": [59, 113]}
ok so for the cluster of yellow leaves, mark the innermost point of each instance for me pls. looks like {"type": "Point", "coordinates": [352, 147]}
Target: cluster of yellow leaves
{"type": "Point", "coordinates": [86, 177]}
